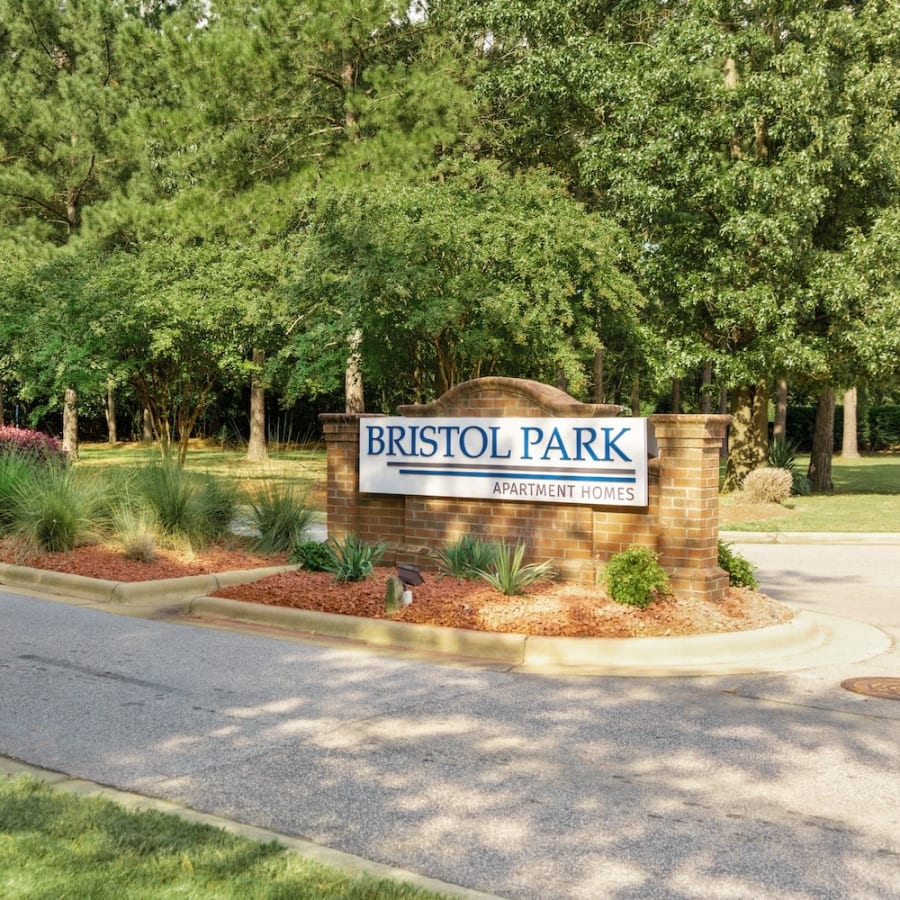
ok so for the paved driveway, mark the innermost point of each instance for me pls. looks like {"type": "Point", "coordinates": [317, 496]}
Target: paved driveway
{"type": "Point", "coordinates": [523, 786]}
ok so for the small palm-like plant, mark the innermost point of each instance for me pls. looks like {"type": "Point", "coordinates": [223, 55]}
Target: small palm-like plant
{"type": "Point", "coordinates": [509, 576]}
{"type": "Point", "coordinates": [353, 559]}
{"type": "Point", "coordinates": [466, 557]}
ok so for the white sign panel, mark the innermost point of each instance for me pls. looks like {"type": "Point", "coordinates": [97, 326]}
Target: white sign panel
{"type": "Point", "coordinates": [584, 461]}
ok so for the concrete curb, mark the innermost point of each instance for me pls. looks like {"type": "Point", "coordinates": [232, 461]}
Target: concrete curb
{"type": "Point", "coordinates": [165, 590]}
{"type": "Point", "coordinates": [807, 640]}
{"type": "Point", "coordinates": [809, 537]}
{"type": "Point", "coordinates": [348, 863]}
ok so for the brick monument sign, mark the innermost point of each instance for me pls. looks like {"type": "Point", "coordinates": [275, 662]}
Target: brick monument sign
{"type": "Point", "coordinates": [514, 460]}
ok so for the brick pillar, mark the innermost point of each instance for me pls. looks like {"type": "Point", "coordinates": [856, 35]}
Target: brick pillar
{"type": "Point", "coordinates": [689, 502]}
{"type": "Point", "coordinates": [341, 433]}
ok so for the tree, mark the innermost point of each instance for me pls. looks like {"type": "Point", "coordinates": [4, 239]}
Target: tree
{"type": "Point", "coordinates": [470, 273]}
{"type": "Point", "coordinates": [739, 144]}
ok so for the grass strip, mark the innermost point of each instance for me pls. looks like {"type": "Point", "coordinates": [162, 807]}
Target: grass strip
{"type": "Point", "coordinates": [54, 844]}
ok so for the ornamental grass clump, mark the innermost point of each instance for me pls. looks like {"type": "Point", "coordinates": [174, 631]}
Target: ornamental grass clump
{"type": "Point", "coordinates": [353, 559]}
{"type": "Point", "coordinates": [466, 557]}
{"type": "Point", "coordinates": [509, 576]}
{"type": "Point", "coordinates": [56, 509]}
{"type": "Point", "coordinates": [767, 485]}
{"type": "Point", "coordinates": [16, 469]}
{"type": "Point", "coordinates": [186, 505]}
{"type": "Point", "coordinates": [634, 577]}
{"type": "Point", "coordinates": [281, 517]}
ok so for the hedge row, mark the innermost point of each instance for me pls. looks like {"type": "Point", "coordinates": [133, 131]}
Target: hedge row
{"type": "Point", "coordinates": [878, 427]}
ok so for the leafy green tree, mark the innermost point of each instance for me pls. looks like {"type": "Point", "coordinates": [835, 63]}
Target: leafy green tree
{"type": "Point", "coordinates": [742, 146]}
{"type": "Point", "coordinates": [473, 272]}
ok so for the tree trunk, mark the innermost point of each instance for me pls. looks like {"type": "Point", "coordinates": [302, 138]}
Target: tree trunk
{"type": "Point", "coordinates": [823, 444]}
{"type": "Point", "coordinates": [748, 440]}
{"type": "Point", "coordinates": [599, 390]}
{"type": "Point", "coordinates": [353, 382]}
{"type": "Point", "coordinates": [147, 426]}
{"type": "Point", "coordinates": [850, 445]}
{"type": "Point", "coordinates": [256, 448]}
{"type": "Point", "coordinates": [111, 411]}
{"type": "Point", "coordinates": [705, 388]}
{"type": "Point", "coordinates": [70, 424]}
{"type": "Point", "coordinates": [636, 397]}
{"type": "Point", "coordinates": [562, 381]}
{"type": "Point", "coordinates": [2, 408]}
{"type": "Point", "coordinates": [676, 395]}
{"type": "Point", "coordinates": [781, 399]}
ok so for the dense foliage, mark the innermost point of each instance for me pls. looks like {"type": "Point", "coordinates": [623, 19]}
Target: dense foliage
{"type": "Point", "coordinates": [197, 197]}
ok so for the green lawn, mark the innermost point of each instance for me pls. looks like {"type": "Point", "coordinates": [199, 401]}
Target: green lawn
{"type": "Point", "coordinates": [866, 498]}
{"type": "Point", "coordinates": [304, 467]}
{"type": "Point", "coordinates": [54, 844]}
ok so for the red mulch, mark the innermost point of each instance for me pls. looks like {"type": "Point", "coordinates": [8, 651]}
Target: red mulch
{"type": "Point", "coordinates": [559, 610]}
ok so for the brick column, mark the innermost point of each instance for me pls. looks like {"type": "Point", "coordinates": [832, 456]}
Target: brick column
{"type": "Point", "coordinates": [341, 433]}
{"type": "Point", "coordinates": [689, 502]}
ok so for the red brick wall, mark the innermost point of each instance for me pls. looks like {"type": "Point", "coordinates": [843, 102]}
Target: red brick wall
{"type": "Point", "coordinates": [680, 521]}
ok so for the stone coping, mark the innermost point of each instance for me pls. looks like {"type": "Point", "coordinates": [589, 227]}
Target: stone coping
{"type": "Point", "coordinates": [808, 640]}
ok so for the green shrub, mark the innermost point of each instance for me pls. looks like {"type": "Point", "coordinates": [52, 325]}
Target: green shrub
{"type": "Point", "coordinates": [509, 576]}
{"type": "Point", "coordinates": [281, 517]}
{"type": "Point", "coordinates": [353, 559]}
{"type": "Point", "coordinates": [466, 557]}
{"type": "Point", "coordinates": [634, 576]}
{"type": "Point", "coordinates": [740, 572]}
{"type": "Point", "coordinates": [313, 556]}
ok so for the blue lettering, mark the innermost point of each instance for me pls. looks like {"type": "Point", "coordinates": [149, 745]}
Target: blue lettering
{"type": "Point", "coordinates": [376, 440]}
{"type": "Point", "coordinates": [396, 434]}
{"type": "Point", "coordinates": [555, 443]}
{"type": "Point", "coordinates": [449, 431]}
{"type": "Point", "coordinates": [462, 441]}
{"type": "Point", "coordinates": [426, 441]}
{"type": "Point", "coordinates": [584, 444]}
{"type": "Point", "coordinates": [610, 444]}
{"type": "Point", "coordinates": [528, 441]}
{"type": "Point", "coordinates": [495, 454]}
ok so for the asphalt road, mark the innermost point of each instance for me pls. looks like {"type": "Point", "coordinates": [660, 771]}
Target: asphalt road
{"type": "Point", "coordinates": [523, 786]}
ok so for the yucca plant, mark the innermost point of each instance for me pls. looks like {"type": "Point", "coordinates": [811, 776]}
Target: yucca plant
{"type": "Point", "coordinates": [466, 557]}
{"type": "Point", "coordinates": [281, 517]}
{"type": "Point", "coordinates": [353, 559]}
{"type": "Point", "coordinates": [509, 576]}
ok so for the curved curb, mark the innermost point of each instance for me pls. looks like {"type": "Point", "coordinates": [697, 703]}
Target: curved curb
{"type": "Point", "coordinates": [810, 537]}
{"type": "Point", "coordinates": [809, 639]}
{"type": "Point", "coordinates": [163, 590]}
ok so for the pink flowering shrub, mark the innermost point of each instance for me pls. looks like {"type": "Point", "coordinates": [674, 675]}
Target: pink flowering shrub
{"type": "Point", "coordinates": [33, 444]}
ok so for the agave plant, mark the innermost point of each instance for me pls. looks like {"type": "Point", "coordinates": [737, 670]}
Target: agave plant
{"type": "Point", "coordinates": [509, 576]}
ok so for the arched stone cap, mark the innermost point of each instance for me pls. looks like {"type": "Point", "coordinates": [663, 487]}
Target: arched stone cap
{"type": "Point", "coordinates": [508, 396]}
